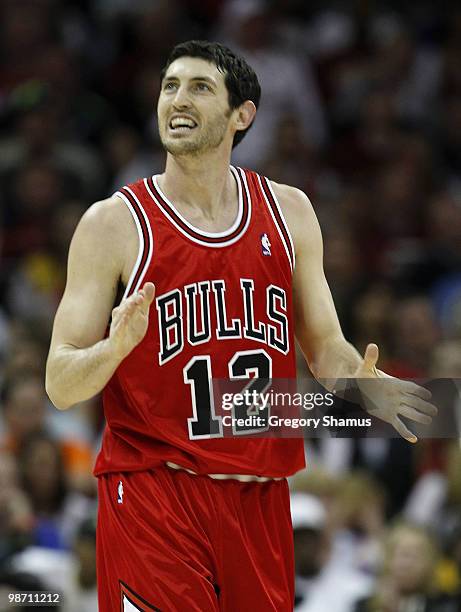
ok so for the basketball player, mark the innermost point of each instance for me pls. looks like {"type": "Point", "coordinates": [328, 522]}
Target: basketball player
{"type": "Point", "coordinates": [220, 269]}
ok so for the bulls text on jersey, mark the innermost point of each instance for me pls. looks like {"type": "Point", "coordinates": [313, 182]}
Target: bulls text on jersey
{"type": "Point", "coordinates": [184, 315]}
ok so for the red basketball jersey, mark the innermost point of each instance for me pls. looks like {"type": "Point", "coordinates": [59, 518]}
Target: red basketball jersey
{"type": "Point", "coordinates": [222, 310]}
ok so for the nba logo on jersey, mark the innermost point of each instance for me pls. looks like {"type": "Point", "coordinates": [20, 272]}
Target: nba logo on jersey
{"type": "Point", "coordinates": [120, 493]}
{"type": "Point", "coordinates": [265, 244]}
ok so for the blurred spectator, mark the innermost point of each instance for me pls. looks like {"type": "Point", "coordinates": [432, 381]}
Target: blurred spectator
{"type": "Point", "coordinates": [319, 483]}
{"type": "Point", "coordinates": [412, 72]}
{"type": "Point", "coordinates": [72, 574]}
{"type": "Point", "coordinates": [321, 583]}
{"type": "Point", "coordinates": [82, 595]}
{"type": "Point", "coordinates": [407, 581]}
{"type": "Point", "coordinates": [26, 28]}
{"type": "Point", "coordinates": [127, 160]}
{"type": "Point", "coordinates": [36, 283]}
{"type": "Point", "coordinates": [446, 360]}
{"type": "Point", "coordinates": [371, 318]}
{"type": "Point", "coordinates": [27, 413]}
{"type": "Point", "coordinates": [16, 518]}
{"type": "Point", "coordinates": [29, 352]}
{"type": "Point", "coordinates": [343, 269]}
{"type": "Point", "coordinates": [414, 334]}
{"type": "Point", "coordinates": [56, 508]}
{"type": "Point", "coordinates": [369, 139]}
{"type": "Point", "coordinates": [443, 229]}
{"type": "Point", "coordinates": [248, 27]}
{"type": "Point", "coordinates": [360, 520]}
{"type": "Point", "coordinates": [24, 410]}
{"type": "Point", "coordinates": [293, 160]}
{"type": "Point", "coordinates": [36, 189]}
{"type": "Point", "coordinates": [42, 135]}
{"type": "Point", "coordinates": [435, 500]}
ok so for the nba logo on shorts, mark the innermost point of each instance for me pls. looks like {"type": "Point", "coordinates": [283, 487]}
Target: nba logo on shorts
{"type": "Point", "coordinates": [120, 493]}
{"type": "Point", "coordinates": [265, 244]}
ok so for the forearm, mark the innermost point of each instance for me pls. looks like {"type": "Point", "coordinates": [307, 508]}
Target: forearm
{"type": "Point", "coordinates": [76, 374]}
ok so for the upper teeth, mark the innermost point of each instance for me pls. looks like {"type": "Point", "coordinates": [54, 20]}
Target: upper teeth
{"type": "Point", "coordinates": [182, 121]}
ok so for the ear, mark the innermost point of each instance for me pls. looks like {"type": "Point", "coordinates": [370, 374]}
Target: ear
{"type": "Point", "coordinates": [245, 115]}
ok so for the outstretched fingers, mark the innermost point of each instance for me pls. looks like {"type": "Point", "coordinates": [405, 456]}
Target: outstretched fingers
{"type": "Point", "coordinates": [414, 415]}
{"type": "Point", "coordinates": [403, 430]}
{"type": "Point", "coordinates": [419, 404]}
{"type": "Point", "coordinates": [413, 389]}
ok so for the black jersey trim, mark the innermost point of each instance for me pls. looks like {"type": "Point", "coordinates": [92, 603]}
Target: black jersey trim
{"type": "Point", "coordinates": [135, 599]}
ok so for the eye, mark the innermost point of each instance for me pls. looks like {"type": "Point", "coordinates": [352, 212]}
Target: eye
{"type": "Point", "coordinates": [169, 86]}
{"type": "Point", "coordinates": [203, 87]}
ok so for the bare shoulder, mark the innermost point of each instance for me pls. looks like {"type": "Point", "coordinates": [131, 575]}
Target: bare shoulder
{"type": "Point", "coordinates": [107, 229]}
{"type": "Point", "coordinates": [110, 215]}
{"type": "Point", "coordinates": [299, 214]}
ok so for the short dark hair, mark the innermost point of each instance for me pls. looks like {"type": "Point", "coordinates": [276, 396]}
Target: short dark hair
{"type": "Point", "coordinates": [239, 77]}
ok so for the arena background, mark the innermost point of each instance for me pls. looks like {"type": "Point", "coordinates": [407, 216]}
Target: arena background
{"type": "Point", "coordinates": [361, 109]}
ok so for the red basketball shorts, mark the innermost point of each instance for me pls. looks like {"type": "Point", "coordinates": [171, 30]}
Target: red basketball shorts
{"type": "Point", "coordinates": [173, 541]}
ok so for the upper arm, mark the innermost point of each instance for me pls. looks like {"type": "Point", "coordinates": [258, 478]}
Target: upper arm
{"type": "Point", "coordinates": [96, 263]}
{"type": "Point", "coordinates": [316, 320]}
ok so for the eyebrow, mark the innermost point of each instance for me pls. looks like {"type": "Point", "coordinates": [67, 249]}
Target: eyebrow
{"type": "Point", "coordinates": [195, 78]}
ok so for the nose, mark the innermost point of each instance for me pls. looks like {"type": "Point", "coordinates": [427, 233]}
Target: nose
{"type": "Point", "coordinates": [181, 99]}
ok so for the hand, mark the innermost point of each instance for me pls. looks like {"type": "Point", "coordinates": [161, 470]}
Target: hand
{"type": "Point", "coordinates": [391, 398]}
{"type": "Point", "coordinates": [129, 321]}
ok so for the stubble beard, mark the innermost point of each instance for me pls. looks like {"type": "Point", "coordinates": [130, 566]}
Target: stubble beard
{"type": "Point", "coordinates": [207, 140]}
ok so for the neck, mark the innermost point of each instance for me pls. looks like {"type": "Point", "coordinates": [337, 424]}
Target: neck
{"type": "Point", "coordinates": [201, 182]}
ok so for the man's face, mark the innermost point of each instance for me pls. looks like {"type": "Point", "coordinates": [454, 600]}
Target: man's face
{"type": "Point", "coordinates": [312, 549]}
{"type": "Point", "coordinates": [193, 107]}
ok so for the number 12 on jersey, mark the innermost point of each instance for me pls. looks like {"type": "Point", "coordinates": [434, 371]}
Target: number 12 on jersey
{"type": "Point", "coordinates": [205, 423]}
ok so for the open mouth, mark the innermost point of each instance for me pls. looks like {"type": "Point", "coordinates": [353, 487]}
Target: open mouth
{"type": "Point", "coordinates": [182, 124]}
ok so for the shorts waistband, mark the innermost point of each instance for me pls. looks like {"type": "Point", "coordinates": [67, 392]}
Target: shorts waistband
{"type": "Point", "coordinates": [239, 477]}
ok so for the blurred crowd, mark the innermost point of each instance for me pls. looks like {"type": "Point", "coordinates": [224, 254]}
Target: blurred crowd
{"type": "Point", "coordinates": [361, 108]}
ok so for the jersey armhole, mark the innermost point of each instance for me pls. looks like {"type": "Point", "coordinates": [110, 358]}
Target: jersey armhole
{"type": "Point", "coordinates": [278, 218]}
{"type": "Point", "coordinates": [146, 242]}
